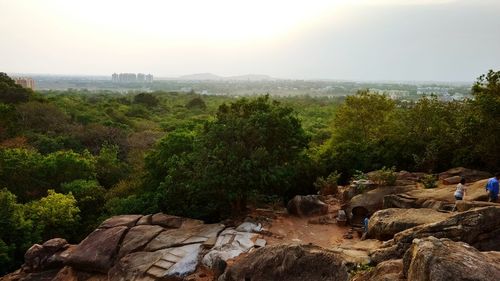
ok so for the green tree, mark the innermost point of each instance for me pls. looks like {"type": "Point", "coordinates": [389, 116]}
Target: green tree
{"type": "Point", "coordinates": [146, 99]}
{"type": "Point", "coordinates": [486, 106]}
{"type": "Point", "coordinates": [252, 146]}
{"type": "Point", "coordinates": [10, 92]}
{"type": "Point", "coordinates": [16, 234]}
{"type": "Point", "coordinates": [90, 200]}
{"type": "Point", "coordinates": [109, 168]}
{"type": "Point", "coordinates": [196, 103]}
{"type": "Point", "coordinates": [55, 215]}
{"type": "Point", "coordinates": [364, 135]}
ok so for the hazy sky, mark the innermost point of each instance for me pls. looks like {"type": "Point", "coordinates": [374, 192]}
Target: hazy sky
{"type": "Point", "coordinates": [440, 40]}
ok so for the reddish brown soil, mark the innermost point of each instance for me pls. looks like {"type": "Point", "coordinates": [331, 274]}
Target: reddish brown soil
{"type": "Point", "coordinates": [289, 229]}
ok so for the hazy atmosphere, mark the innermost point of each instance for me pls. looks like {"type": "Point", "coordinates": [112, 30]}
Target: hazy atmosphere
{"type": "Point", "coordinates": [442, 40]}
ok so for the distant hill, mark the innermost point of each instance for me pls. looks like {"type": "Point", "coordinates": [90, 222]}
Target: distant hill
{"type": "Point", "coordinates": [210, 76]}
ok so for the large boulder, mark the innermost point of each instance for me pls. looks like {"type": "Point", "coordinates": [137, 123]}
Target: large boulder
{"type": "Point", "coordinates": [478, 227]}
{"type": "Point", "coordinates": [365, 204]}
{"type": "Point", "coordinates": [45, 256]}
{"type": "Point", "coordinates": [432, 259]}
{"type": "Point", "coordinates": [308, 205]}
{"type": "Point", "coordinates": [453, 176]}
{"type": "Point", "coordinates": [384, 224]}
{"type": "Point", "coordinates": [288, 262]}
{"type": "Point", "coordinates": [98, 251]}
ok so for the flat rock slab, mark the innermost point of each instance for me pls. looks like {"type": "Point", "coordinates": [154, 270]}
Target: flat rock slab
{"type": "Point", "coordinates": [183, 236]}
{"type": "Point", "coordinates": [134, 266]}
{"type": "Point", "coordinates": [230, 244]}
{"type": "Point", "coordinates": [169, 221]}
{"type": "Point", "coordinates": [98, 251]}
{"type": "Point", "coordinates": [123, 220]}
{"type": "Point", "coordinates": [178, 261]}
{"type": "Point", "coordinates": [137, 237]}
{"type": "Point", "coordinates": [384, 224]}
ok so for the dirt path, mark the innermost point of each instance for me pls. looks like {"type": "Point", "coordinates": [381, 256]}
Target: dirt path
{"type": "Point", "coordinates": [290, 229]}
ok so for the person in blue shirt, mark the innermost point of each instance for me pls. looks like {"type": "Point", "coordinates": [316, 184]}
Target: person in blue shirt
{"type": "Point", "coordinates": [492, 187]}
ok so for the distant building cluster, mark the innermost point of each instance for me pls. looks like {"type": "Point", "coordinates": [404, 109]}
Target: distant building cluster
{"type": "Point", "coordinates": [131, 78]}
{"type": "Point", "coordinates": [26, 82]}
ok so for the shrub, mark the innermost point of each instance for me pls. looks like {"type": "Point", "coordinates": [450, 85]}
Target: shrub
{"type": "Point", "coordinates": [429, 181]}
{"type": "Point", "coordinates": [385, 176]}
{"type": "Point", "coordinates": [328, 185]}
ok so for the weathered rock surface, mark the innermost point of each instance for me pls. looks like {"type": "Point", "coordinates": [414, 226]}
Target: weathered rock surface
{"type": "Point", "coordinates": [432, 259]}
{"type": "Point", "coordinates": [356, 253]}
{"type": "Point", "coordinates": [478, 227]}
{"type": "Point", "coordinates": [98, 251]}
{"type": "Point", "coordinates": [440, 198]}
{"type": "Point", "coordinates": [453, 176]}
{"type": "Point", "coordinates": [137, 238]}
{"type": "Point", "coordinates": [307, 205]}
{"type": "Point", "coordinates": [464, 205]}
{"type": "Point", "coordinates": [367, 203]}
{"type": "Point", "coordinates": [45, 256]}
{"type": "Point", "coordinates": [123, 220]}
{"type": "Point", "coordinates": [288, 262]}
{"type": "Point", "coordinates": [391, 270]}
{"type": "Point", "coordinates": [135, 247]}
{"type": "Point", "coordinates": [184, 236]}
{"type": "Point", "coordinates": [384, 224]}
{"type": "Point", "coordinates": [230, 244]}
{"type": "Point", "coordinates": [169, 221]}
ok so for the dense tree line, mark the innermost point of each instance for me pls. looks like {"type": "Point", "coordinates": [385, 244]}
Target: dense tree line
{"type": "Point", "coordinates": [70, 159]}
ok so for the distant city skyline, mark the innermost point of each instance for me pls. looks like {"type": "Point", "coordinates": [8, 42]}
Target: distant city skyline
{"type": "Point", "coordinates": [358, 40]}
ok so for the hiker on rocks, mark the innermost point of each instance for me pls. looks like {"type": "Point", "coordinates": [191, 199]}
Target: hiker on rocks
{"type": "Point", "coordinates": [460, 191]}
{"type": "Point", "coordinates": [492, 188]}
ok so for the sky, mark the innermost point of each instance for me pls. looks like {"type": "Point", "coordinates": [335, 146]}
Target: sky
{"type": "Point", "coordinates": [389, 40]}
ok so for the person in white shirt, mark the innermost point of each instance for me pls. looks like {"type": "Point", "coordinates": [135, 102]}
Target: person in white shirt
{"type": "Point", "coordinates": [460, 191]}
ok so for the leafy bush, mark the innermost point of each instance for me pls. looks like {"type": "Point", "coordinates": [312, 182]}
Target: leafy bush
{"type": "Point", "coordinates": [328, 185]}
{"type": "Point", "coordinates": [429, 181]}
{"type": "Point", "coordinates": [385, 176]}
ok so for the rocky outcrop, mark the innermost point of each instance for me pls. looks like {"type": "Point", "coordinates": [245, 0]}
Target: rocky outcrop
{"type": "Point", "coordinates": [440, 198]}
{"type": "Point", "coordinates": [453, 176]}
{"type": "Point", "coordinates": [365, 204]}
{"type": "Point", "coordinates": [478, 227]}
{"type": "Point", "coordinates": [463, 205]}
{"type": "Point", "coordinates": [391, 270]}
{"type": "Point", "coordinates": [45, 256]}
{"type": "Point", "coordinates": [135, 247]}
{"type": "Point", "coordinates": [384, 224]}
{"type": "Point", "coordinates": [432, 259]}
{"type": "Point", "coordinates": [308, 205]}
{"type": "Point", "coordinates": [288, 262]}
{"type": "Point", "coordinates": [230, 244]}
{"type": "Point", "coordinates": [98, 251]}
{"type": "Point", "coordinates": [356, 252]}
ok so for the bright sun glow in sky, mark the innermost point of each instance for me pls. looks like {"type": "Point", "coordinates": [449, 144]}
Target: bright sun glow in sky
{"type": "Point", "coordinates": [343, 39]}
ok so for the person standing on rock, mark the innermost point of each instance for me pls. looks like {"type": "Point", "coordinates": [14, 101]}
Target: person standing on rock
{"type": "Point", "coordinates": [493, 188]}
{"type": "Point", "coordinates": [460, 191]}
